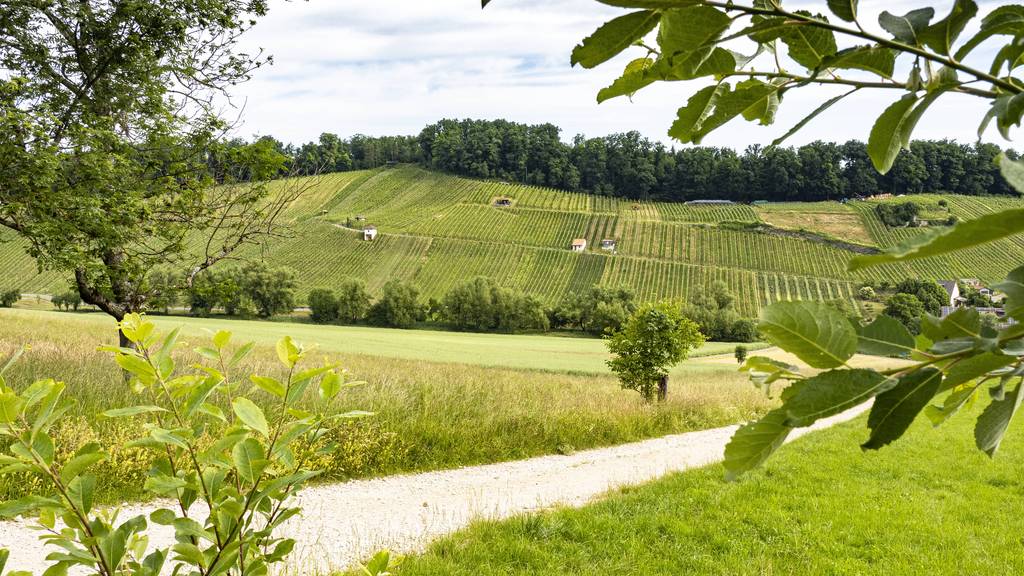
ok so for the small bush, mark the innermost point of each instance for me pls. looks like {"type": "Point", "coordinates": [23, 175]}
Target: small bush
{"type": "Point", "coordinates": [8, 298]}
{"type": "Point", "coordinates": [323, 306]}
{"type": "Point", "coordinates": [741, 354]}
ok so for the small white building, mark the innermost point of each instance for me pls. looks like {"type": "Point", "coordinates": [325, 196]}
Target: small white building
{"type": "Point", "coordinates": [608, 244]}
{"type": "Point", "coordinates": [952, 288]}
{"type": "Point", "coordinates": [579, 245]}
{"type": "Point", "coordinates": [370, 233]}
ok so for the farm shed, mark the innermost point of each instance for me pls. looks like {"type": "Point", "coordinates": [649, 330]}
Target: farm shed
{"type": "Point", "coordinates": [608, 244]}
{"type": "Point", "coordinates": [370, 233]}
{"type": "Point", "coordinates": [579, 245]}
{"type": "Point", "coordinates": [503, 202]}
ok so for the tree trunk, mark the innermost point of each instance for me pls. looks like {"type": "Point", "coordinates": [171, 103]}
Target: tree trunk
{"type": "Point", "coordinates": [663, 388]}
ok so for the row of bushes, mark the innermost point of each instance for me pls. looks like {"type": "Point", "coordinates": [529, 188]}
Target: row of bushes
{"type": "Point", "coordinates": [481, 305]}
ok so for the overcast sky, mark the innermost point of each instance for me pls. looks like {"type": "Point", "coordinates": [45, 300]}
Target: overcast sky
{"type": "Point", "coordinates": [392, 66]}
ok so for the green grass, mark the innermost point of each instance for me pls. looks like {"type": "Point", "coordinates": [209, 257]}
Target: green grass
{"type": "Point", "coordinates": [442, 400]}
{"type": "Point", "coordinates": [930, 504]}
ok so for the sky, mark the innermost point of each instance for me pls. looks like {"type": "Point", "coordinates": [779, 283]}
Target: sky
{"type": "Point", "coordinates": [386, 67]}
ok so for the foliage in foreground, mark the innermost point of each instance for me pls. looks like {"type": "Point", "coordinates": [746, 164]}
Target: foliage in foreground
{"type": "Point", "coordinates": [245, 475]}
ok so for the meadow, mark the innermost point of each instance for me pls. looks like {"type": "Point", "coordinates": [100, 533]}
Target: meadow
{"type": "Point", "coordinates": [929, 504]}
{"type": "Point", "coordinates": [439, 230]}
{"type": "Point", "coordinates": [442, 400]}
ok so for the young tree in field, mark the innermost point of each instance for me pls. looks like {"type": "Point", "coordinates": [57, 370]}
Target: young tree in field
{"type": "Point", "coordinates": [955, 359]}
{"type": "Point", "coordinates": [655, 338]}
{"type": "Point", "coordinates": [740, 353]}
{"type": "Point", "coordinates": [108, 113]}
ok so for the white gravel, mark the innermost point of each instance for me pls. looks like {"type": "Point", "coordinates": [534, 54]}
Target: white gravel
{"type": "Point", "coordinates": [345, 523]}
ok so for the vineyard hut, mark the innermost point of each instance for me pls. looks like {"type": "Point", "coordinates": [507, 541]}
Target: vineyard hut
{"type": "Point", "coordinates": [952, 288]}
{"type": "Point", "coordinates": [370, 233]}
{"type": "Point", "coordinates": [503, 202]}
{"type": "Point", "coordinates": [608, 244]}
{"type": "Point", "coordinates": [579, 245]}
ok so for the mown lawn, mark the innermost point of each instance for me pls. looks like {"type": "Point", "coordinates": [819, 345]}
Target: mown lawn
{"type": "Point", "coordinates": [930, 504]}
{"type": "Point", "coordinates": [429, 414]}
{"type": "Point", "coordinates": [521, 351]}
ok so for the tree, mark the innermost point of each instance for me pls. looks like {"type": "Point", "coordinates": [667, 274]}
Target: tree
{"type": "Point", "coordinates": [353, 301]}
{"type": "Point", "coordinates": [956, 353]}
{"type": "Point", "coordinates": [323, 306]}
{"type": "Point", "coordinates": [907, 309]}
{"type": "Point", "coordinates": [271, 291]}
{"type": "Point", "coordinates": [932, 296]}
{"type": "Point", "coordinates": [655, 338]}
{"type": "Point", "coordinates": [8, 298]}
{"type": "Point", "coordinates": [67, 301]}
{"type": "Point", "coordinates": [398, 307]}
{"type": "Point", "coordinates": [741, 354]}
{"type": "Point", "coordinates": [110, 111]}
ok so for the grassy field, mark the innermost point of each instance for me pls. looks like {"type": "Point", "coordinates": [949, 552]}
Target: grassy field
{"type": "Point", "coordinates": [439, 402]}
{"type": "Point", "coordinates": [439, 230]}
{"type": "Point", "coordinates": [930, 504]}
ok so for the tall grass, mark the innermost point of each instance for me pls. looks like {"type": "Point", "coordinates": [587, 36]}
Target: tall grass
{"type": "Point", "coordinates": [429, 415]}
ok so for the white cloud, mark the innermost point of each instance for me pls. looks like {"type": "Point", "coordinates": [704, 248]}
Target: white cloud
{"type": "Point", "coordinates": [393, 66]}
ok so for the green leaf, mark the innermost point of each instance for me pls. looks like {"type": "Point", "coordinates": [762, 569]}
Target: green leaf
{"type": "Point", "coordinates": [941, 35]}
{"type": "Point", "coordinates": [241, 353]}
{"type": "Point", "coordinates": [74, 467]}
{"type": "Point", "coordinates": [974, 367]}
{"type": "Point", "coordinates": [845, 9]}
{"type": "Point", "coordinates": [1007, 20]}
{"type": "Point", "coordinates": [163, 517]}
{"type": "Point", "coordinates": [4, 555]}
{"type": "Point", "coordinates": [825, 106]}
{"type": "Point", "coordinates": [874, 59]}
{"type": "Point", "coordinates": [753, 443]}
{"type": "Point", "coordinates": [1013, 287]}
{"type": "Point", "coordinates": [894, 127]}
{"type": "Point", "coordinates": [251, 415]}
{"type": "Point", "coordinates": [1012, 171]}
{"type": "Point", "coordinates": [168, 437]}
{"type": "Point", "coordinates": [221, 338]}
{"type": "Point", "coordinates": [994, 420]}
{"type": "Point", "coordinates": [162, 484]}
{"type": "Point", "coordinates": [908, 27]}
{"type": "Point", "coordinates": [895, 410]}
{"type": "Point", "coordinates": [330, 385]}
{"type": "Point", "coordinates": [690, 119]}
{"type": "Point", "coordinates": [10, 407]}
{"type": "Point", "coordinates": [614, 37]}
{"type": "Point", "coordinates": [249, 459]}
{"type": "Point", "coordinates": [132, 411]}
{"type": "Point", "coordinates": [985, 229]}
{"type": "Point", "coordinates": [752, 99]}
{"type": "Point", "coordinates": [963, 323]}
{"type": "Point", "coordinates": [287, 351]}
{"type": "Point", "coordinates": [689, 30]}
{"type": "Point", "coordinates": [81, 491]}
{"type": "Point", "coordinates": [808, 45]}
{"type": "Point", "coordinates": [830, 393]}
{"type": "Point", "coordinates": [269, 385]}
{"type": "Point", "coordinates": [26, 505]}
{"type": "Point", "coordinates": [886, 336]}
{"type": "Point", "coordinates": [815, 332]}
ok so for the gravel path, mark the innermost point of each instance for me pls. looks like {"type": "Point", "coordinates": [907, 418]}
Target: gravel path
{"type": "Point", "coordinates": [344, 523]}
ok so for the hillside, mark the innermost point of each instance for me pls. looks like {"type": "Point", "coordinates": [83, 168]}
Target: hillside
{"type": "Point", "coordinates": [437, 230]}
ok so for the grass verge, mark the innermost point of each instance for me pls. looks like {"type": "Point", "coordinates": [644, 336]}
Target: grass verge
{"type": "Point", "coordinates": [930, 504]}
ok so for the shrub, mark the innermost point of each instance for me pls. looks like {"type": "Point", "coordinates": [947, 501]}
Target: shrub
{"type": "Point", "coordinates": [353, 301]}
{"type": "Point", "coordinates": [741, 354]}
{"type": "Point", "coordinates": [597, 310]}
{"type": "Point", "coordinates": [398, 307]}
{"type": "Point", "coordinates": [655, 338]}
{"type": "Point", "coordinates": [271, 291]}
{"type": "Point", "coordinates": [9, 297]}
{"type": "Point", "coordinates": [867, 293]}
{"type": "Point", "coordinates": [481, 305]}
{"type": "Point", "coordinates": [69, 300]}
{"type": "Point", "coordinates": [323, 306]}
{"type": "Point", "coordinates": [743, 330]}
{"type": "Point", "coordinates": [932, 296]}
{"type": "Point", "coordinates": [907, 309]}
{"type": "Point", "coordinates": [246, 474]}
{"type": "Point", "coordinates": [898, 215]}
{"type": "Point", "coordinates": [212, 289]}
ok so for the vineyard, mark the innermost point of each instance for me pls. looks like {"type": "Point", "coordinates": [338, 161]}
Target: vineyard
{"type": "Point", "coordinates": [438, 230]}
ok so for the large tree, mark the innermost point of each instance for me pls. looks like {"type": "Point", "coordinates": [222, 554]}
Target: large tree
{"type": "Point", "coordinates": [109, 113]}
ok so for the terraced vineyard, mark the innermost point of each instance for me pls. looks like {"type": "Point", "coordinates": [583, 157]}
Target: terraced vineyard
{"type": "Point", "coordinates": [438, 230]}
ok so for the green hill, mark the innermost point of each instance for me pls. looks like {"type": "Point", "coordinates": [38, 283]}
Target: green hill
{"type": "Point", "coordinates": [437, 230]}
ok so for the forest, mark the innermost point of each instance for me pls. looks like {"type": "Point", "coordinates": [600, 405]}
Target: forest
{"type": "Point", "coordinates": [631, 166]}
